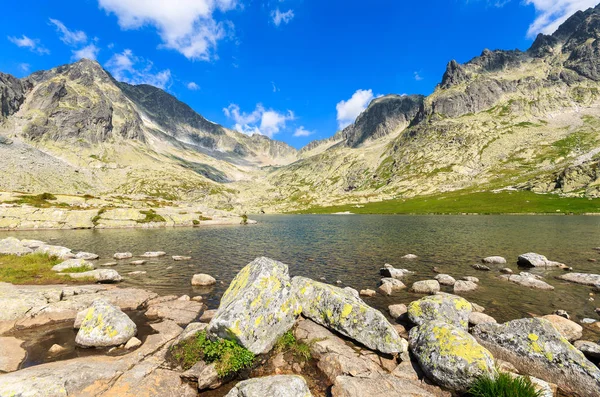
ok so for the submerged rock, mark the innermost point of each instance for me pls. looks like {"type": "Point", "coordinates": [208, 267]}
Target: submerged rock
{"type": "Point", "coordinates": [153, 254]}
{"type": "Point", "coordinates": [527, 280]}
{"type": "Point", "coordinates": [410, 256]}
{"type": "Point", "coordinates": [86, 255]}
{"type": "Point", "coordinates": [464, 286]}
{"type": "Point", "coordinates": [483, 268]}
{"type": "Point", "coordinates": [12, 246]}
{"type": "Point", "coordinates": [105, 325]}
{"type": "Point", "coordinates": [258, 307]}
{"type": "Point", "coordinates": [426, 287]}
{"type": "Point", "coordinates": [494, 260]}
{"type": "Point", "coordinates": [341, 311]}
{"type": "Point", "coordinates": [181, 258]}
{"type": "Point", "coordinates": [536, 348]}
{"type": "Point", "coordinates": [449, 355]}
{"type": "Point", "coordinates": [72, 264]}
{"type": "Point", "coordinates": [272, 386]}
{"type": "Point", "coordinates": [447, 308]}
{"type": "Point", "coordinates": [581, 278]}
{"type": "Point", "coordinates": [536, 260]}
{"type": "Point", "coordinates": [389, 271]}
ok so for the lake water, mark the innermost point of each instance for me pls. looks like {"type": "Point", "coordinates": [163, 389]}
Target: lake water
{"type": "Point", "coordinates": [353, 248]}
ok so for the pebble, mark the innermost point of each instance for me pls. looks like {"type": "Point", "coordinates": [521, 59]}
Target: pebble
{"type": "Point", "coordinates": [563, 313]}
{"type": "Point", "coordinates": [410, 256]}
{"type": "Point", "coordinates": [184, 298]}
{"type": "Point", "coordinates": [56, 349]}
{"type": "Point", "coordinates": [197, 298]}
{"type": "Point", "coordinates": [133, 343]}
{"type": "Point", "coordinates": [588, 321]}
{"type": "Point", "coordinates": [506, 270]}
{"type": "Point", "coordinates": [181, 258]}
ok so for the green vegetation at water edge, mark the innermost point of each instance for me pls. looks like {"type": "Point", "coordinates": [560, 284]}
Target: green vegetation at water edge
{"type": "Point", "coordinates": [504, 385]}
{"type": "Point", "coordinates": [35, 269]}
{"type": "Point", "coordinates": [151, 216]}
{"type": "Point", "coordinates": [228, 356]}
{"type": "Point", "coordinates": [289, 343]}
{"type": "Point", "coordinates": [461, 202]}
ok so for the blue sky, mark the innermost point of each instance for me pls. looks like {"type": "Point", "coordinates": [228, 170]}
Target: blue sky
{"type": "Point", "coordinates": [296, 70]}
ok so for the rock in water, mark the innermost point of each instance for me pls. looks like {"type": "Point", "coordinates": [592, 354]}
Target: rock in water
{"type": "Point", "coordinates": [449, 355]}
{"type": "Point", "coordinates": [200, 280]}
{"type": "Point", "coordinates": [258, 307]}
{"type": "Point", "coordinates": [340, 310]}
{"type": "Point", "coordinates": [536, 260]}
{"type": "Point", "coordinates": [582, 278]}
{"type": "Point", "coordinates": [272, 386]}
{"type": "Point", "coordinates": [100, 275]}
{"type": "Point", "coordinates": [153, 254]}
{"type": "Point", "coordinates": [56, 250]}
{"type": "Point", "coordinates": [450, 309]}
{"type": "Point", "coordinates": [426, 287]}
{"type": "Point", "coordinates": [71, 264]}
{"type": "Point", "coordinates": [105, 325]}
{"type": "Point", "coordinates": [494, 260]}
{"type": "Point", "coordinates": [86, 255]}
{"type": "Point", "coordinates": [12, 246]}
{"type": "Point", "coordinates": [536, 348]}
{"type": "Point", "coordinates": [464, 286]}
{"type": "Point", "coordinates": [527, 280]}
{"type": "Point", "coordinates": [123, 255]}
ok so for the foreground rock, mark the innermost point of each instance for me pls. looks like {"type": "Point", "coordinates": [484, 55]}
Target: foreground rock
{"type": "Point", "coordinates": [11, 354]}
{"type": "Point", "coordinates": [449, 355]}
{"type": "Point", "coordinates": [536, 260]}
{"type": "Point", "coordinates": [13, 246]}
{"type": "Point", "coordinates": [343, 312]}
{"type": "Point", "coordinates": [582, 278]}
{"type": "Point", "coordinates": [100, 275]}
{"type": "Point", "coordinates": [447, 308]}
{"type": "Point", "coordinates": [527, 280]}
{"type": "Point", "coordinates": [105, 325]}
{"type": "Point", "coordinates": [272, 386]}
{"type": "Point", "coordinates": [570, 330]}
{"type": "Point", "coordinates": [73, 264]}
{"type": "Point", "coordinates": [536, 348]}
{"type": "Point", "coordinates": [258, 307]}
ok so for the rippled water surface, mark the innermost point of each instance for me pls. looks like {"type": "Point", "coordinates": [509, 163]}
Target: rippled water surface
{"type": "Point", "coordinates": [353, 248]}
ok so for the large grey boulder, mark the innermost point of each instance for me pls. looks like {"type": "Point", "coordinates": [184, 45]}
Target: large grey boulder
{"type": "Point", "coordinates": [272, 386]}
{"type": "Point", "coordinates": [258, 307]}
{"type": "Point", "coordinates": [12, 246]}
{"type": "Point", "coordinates": [532, 259]}
{"type": "Point", "coordinates": [72, 264]}
{"type": "Point", "coordinates": [448, 308]}
{"type": "Point", "coordinates": [341, 311]}
{"type": "Point", "coordinates": [536, 348]}
{"type": "Point", "coordinates": [449, 355]}
{"type": "Point", "coordinates": [105, 325]}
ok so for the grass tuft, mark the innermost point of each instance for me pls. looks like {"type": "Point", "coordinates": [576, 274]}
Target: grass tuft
{"type": "Point", "coordinates": [289, 343]}
{"type": "Point", "coordinates": [504, 385]}
{"type": "Point", "coordinates": [151, 216]}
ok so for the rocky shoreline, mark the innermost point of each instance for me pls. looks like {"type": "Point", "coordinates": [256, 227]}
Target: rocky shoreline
{"type": "Point", "coordinates": [438, 345]}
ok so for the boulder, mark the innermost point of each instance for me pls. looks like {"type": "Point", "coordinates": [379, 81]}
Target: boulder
{"type": "Point", "coordinates": [581, 278]}
{"type": "Point", "coordinates": [12, 246]}
{"type": "Point", "coordinates": [390, 286]}
{"type": "Point", "coordinates": [483, 268]}
{"type": "Point", "coordinates": [341, 311]}
{"type": "Point", "coordinates": [476, 318]}
{"type": "Point", "coordinates": [258, 307]}
{"type": "Point", "coordinates": [100, 275]}
{"type": "Point", "coordinates": [72, 264]}
{"type": "Point", "coordinates": [272, 386]}
{"type": "Point", "coordinates": [123, 255]}
{"type": "Point", "coordinates": [445, 279]}
{"type": "Point", "coordinates": [537, 349]}
{"type": "Point", "coordinates": [494, 260]}
{"type": "Point", "coordinates": [567, 328]}
{"type": "Point", "coordinates": [86, 255]}
{"type": "Point", "coordinates": [397, 310]}
{"type": "Point", "coordinates": [201, 280]}
{"type": "Point", "coordinates": [11, 354]}
{"type": "Point", "coordinates": [367, 292]}
{"type": "Point", "coordinates": [56, 250]}
{"type": "Point", "coordinates": [449, 355]}
{"type": "Point", "coordinates": [389, 271]}
{"type": "Point", "coordinates": [447, 308]}
{"type": "Point", "coordinates": [207, 316]}
{"type": "Point", "coordinates": [410, 256]}
{"type": "Point", "coordinates": [589, 349]}
{"type": "Point", "coordinates": [536, 260]}
{"type": "Point", "coordinates": [471, 279]}
{"type": "Point", "coordinates": [464, 286]}
{"type": "Point", "coordinates": [426, 287]}
{"type": "Point", "coordinates": [527, 280]}
{"type": "Point", "coordinates": [105, 325]}
{"type": "Point", "coordinates": [153, 254]}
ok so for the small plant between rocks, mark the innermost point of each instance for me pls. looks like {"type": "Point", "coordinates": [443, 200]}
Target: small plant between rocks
{"type": "Point", "coordinates": [504, 385]}
{"type": "Point", "coordinates": [289, 343]}
{"type": "Point", "coordinates": [228, 356]}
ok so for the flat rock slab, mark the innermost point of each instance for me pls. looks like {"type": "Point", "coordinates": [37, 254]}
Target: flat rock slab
{"type": "Point", "coordinates": [11, 354]}
{"type": "Point", "coordinates": [581, 278]}
{"type": "Point", "coordinates": [13, 246]}
{"type": "Point", "coordinates": [382, 385]}
{"type": "Point", "coordinates": [527, 280]}
{"type": "Point", "coordinates": [72, 264]}
{"type": "Point", "coordinates": [180, 311]}
{"type": "Point", "coordinates": [272, 386]}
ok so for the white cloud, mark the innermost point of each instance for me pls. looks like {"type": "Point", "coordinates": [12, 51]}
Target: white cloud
{"type": "Point", "coordinates": [552, 13]}
{"type": "Point", "coordinates": [193, 86]}
{"type": "Point", "coordinates": [418, 77]}
{"type": "Point", "coordinates": [282, 17]}
{"type": "Point", "coordinates": [348, 111]}
{"type": "Point", "coordinates": [260, 121]}
{"type": "Point", "coordinates": [302, 132]}
{"type": "Point", "coordinates": [32, 44]}
{"type": "Point", "coordinates": [25, 67]}
{"type": "Point", "coordinates": [89, 52]}
{"type": "Point", "coordinates": [187, 26]}
{"type": "Point", "coordinates": [275, 89]}
{"type": "Point", "coordinates": [130, 69]}
{"type": "Point", "coordinates": [69, 37]}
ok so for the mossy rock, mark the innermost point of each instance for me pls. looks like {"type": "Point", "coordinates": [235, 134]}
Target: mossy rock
{"type": "Point", "coordinates": [448, 308]}
{"type": "Point", "coordinates": [105, 325]}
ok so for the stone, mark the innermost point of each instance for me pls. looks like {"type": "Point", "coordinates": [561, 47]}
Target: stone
{"type": "Point", "coordinates": [123, 255]}
{"type": "Point", "coordinates": [108, 264]}
{"type": "Point", "coordinates": [153, 254]}
{"type": "Point", "coordinates": [100, 275]}
{"type": "Point", "coordinates": [341, 311]}
{"type": "Point", "coordinates": [384, 385]}
{"type": "Point", "coordinates": [368, 292]}
{"type": "Point", "coordinates": [184, 298]}
{"type": "Point", "coordinates": [197, 298]}
{"type": "Point", "coordinates": [205, 375]}
{"type": "Point", "coordinates": [179, 311]}
{"type": "Point", "coordinates": [477, 308]}
{"type": "Point", "coordinates": [390, 286]}
{"type": "Point", "coordinates": [527, 280]}
{"type": "Point", "coordinates": [537, 349]}
{"type": "Point", "coordinates": [272, 386]}
{"type": "Point", "coordinates": [202, 280]}
{"type": "Point", "coordinates": [449, 355]}
{"type": "Point", "coordinates": [11, 354]}
{"type": "Point", "coordinates": [494, 260]}
{"type": "Point", "coordinates": [137, 263]}
{"type": "Point", "coordinates": [105, 325]}
{"type": "Point", "coordinates": [464, 286]}
{"type": "Point", "coordinates": [12, 246]}
{"type": "Point", "coordinates": [446, 308]}
{"type": "Point", "coordinates": [352, 291]}
{"type": "Point", "coordinates": [138, 273]}
{"type": "Point", "coordinates": [86, 255]}
{"type": "Point", "coordinates": [581, 278]}
{"type": "Point", "coordinates": [506, 270]}
{"type": "Point", "coordinates": [562, 313]}
{"type": "Point", "coordinates": [536, 260]}
{"type": "Point", "coordinates": [588, 321]}
{"type": "Point", "coordinates": [388, 271]}
{"type": "Point", "coordinates": [567, 328]}
{"type": "Point", "coordinates": [71, 264]}
{"type": "Point", "coordinates": [471, 279]}
{"type": "Point", "coordinates": [56, 350]}
{"type": "Point", "coordinates": [397, 310]}
{"type": "Point", "coordinates": [32, 243]}
{"type": "Point", "coordinates": [445, 279]}
{"type": "Point", "coordinates": [258, 307]}
{"type": "Point", "coordinates": [410, 256]}
{"type": "Point", "coordinates": [133, 343]}
{"type": "Point", "coordinates": [207, 316]}
{"type": "Point", "coordinates": [589, 349]}
{"type": "Point", "coordinates": [483, 268]}
{"type": "Point", "coordinates": [426, 287]}
{"type": "Point", "coordinates": [55, 250]}
{"type": "Point", "coordinates": [476, 318]}
{"type": "Point", "coordinates": [190, 331]}
{"type": "Point", "coordinates": [181, 258]}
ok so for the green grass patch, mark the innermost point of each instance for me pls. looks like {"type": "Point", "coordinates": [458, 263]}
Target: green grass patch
{"type": "Point", "coordinates": [98, 217]}
{"type": "Point", "coordinates": [244, 219]}
{"type": "Point", "coordinates": [39, 201]}
{"type": "Point", "coordinates": [460, 202]}
{"type": "Point", "coordinates": [34, 269]}
{"type": "Point", "coordinates": [503, 385]}
{"type": "Point", "coordinates": [289, 343]}
{"type": "Point", "coordinates": [228, 356]}
{"type": "Point", "coordinates": [205, 218]}
{"type": "Point", "coordinates": [151, 216]}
